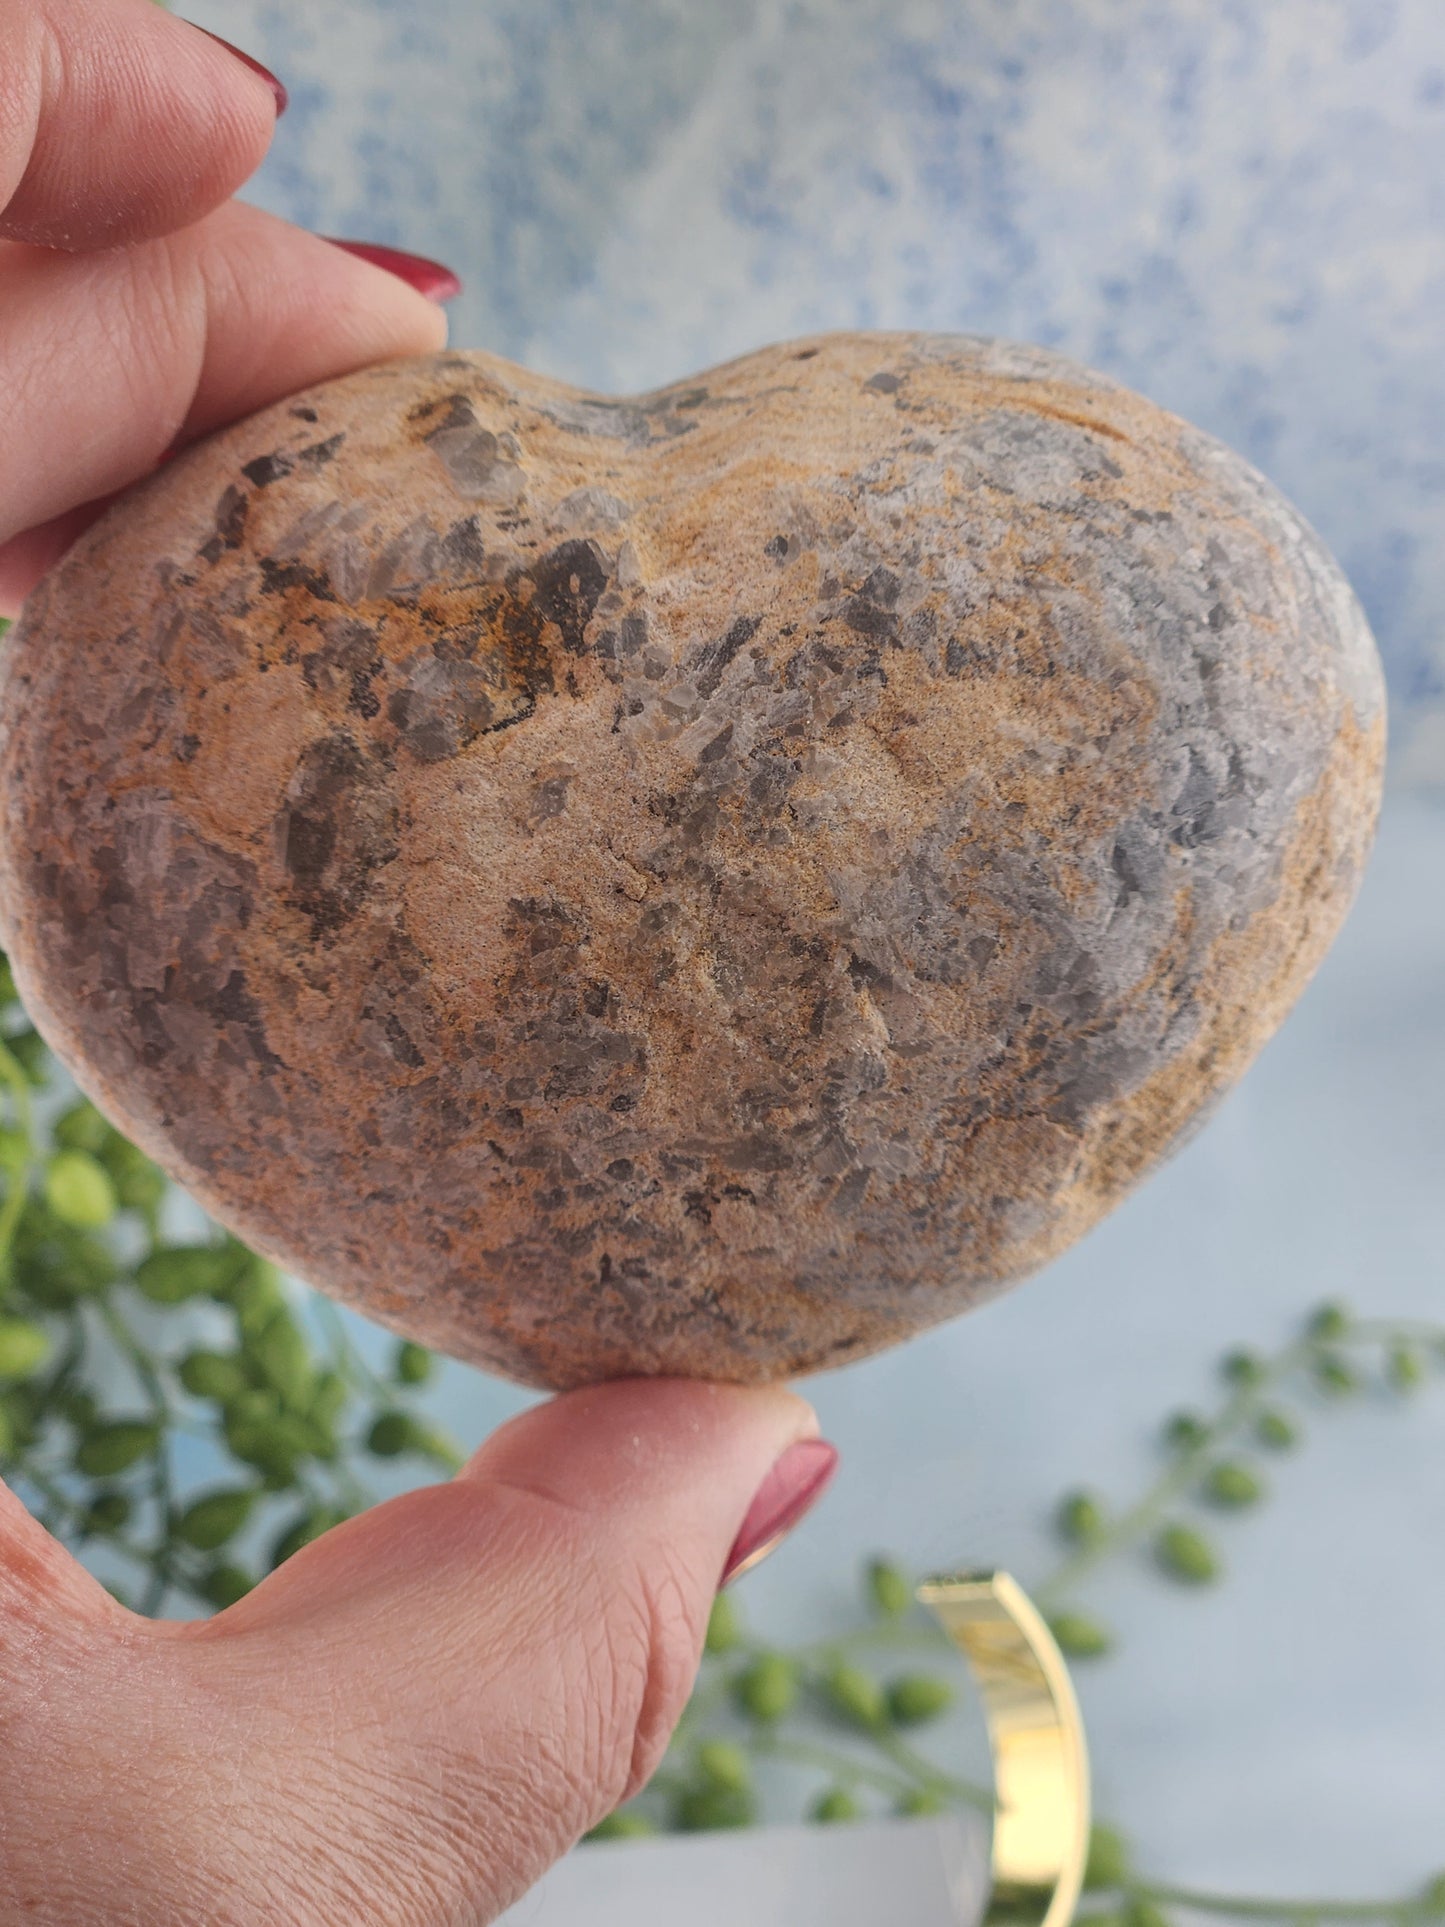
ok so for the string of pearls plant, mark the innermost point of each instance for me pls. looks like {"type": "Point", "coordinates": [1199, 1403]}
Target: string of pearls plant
{"type": "Point", "coordinates": [98, 1386]}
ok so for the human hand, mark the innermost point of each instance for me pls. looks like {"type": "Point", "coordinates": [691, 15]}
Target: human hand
{"type": "Point", "coordinates": [413, 1716]}
{"type": "Point", "coordinates": [409, 1720]}
{"type": "Point", "coordinates": [140, 307]}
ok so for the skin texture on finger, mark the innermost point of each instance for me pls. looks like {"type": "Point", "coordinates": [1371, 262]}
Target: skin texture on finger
{"type": "Point", "coordinates": [420, 1711]}
{"type": "Point", "coordinates": [58, 1633]}
{"type": "Point", "coordinates": [41, 1587]}
{"type": "Point", "coordinates": [25, 558]}
{"type": "Point", "coordinates": [119, 122]}
{"type": "Point", "coordinates": [111, 358]}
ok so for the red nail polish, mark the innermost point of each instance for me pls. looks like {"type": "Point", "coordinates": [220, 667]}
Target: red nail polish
{"type": "Point", "coordinates": [427, 277]}
{"type": "Point", "coordinates": [282, 98]}
{"type": "Point", "coordinates": [790, 1489]}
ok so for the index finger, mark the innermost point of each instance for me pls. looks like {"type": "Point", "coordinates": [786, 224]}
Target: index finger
{"type": "Point", "coordinates": [119, 122]}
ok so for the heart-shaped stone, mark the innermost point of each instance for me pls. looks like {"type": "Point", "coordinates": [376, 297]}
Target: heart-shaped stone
{"type": "Point", "coordinates": [707, 883]}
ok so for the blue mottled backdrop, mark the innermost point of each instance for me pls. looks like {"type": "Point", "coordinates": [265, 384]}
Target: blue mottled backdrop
{"type": "Point", "coordinates": [1237, 206]}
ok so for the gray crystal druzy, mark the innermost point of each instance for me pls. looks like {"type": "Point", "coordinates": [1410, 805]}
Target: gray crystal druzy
{"type": "Point", "coordinates": [712, 882]}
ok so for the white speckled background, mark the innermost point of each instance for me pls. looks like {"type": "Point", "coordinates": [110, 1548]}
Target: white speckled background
{"type": "Point", "coordinates": [1237, 206]}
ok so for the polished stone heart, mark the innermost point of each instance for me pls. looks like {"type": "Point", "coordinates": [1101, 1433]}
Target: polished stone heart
{"type": "Point", "coordinates": [712, 882]}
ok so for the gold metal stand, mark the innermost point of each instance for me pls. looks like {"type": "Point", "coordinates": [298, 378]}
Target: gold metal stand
{"type": "Point", "coordinates": [1040, 1762]}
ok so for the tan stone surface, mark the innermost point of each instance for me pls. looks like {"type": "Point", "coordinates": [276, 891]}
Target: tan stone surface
{"type": "Point", "coordinates": [713, 882]}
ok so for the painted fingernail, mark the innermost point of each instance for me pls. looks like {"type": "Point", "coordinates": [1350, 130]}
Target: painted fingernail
{"type": "Point", "coordinates": [427, 277]}
{"type": "Point", "coordinates": [795, 1483]}
{"type": "Point", "coordinates": [282, 98]}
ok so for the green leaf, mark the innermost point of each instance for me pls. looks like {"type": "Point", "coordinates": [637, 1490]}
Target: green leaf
{"type": "Point", "coordinates": [252, 1287]}
{"type": "Point", "coordinates": [724, 1626]}
{"type": "Point", "coordinates": [413, 1364]}
{"type": "Point", "coordinates": [1233, 1484]}
{"type": "Point", "coordinates": [1432, 1897]}
{"type": "Point", "coordinates": [1405, 1368]}
{"type": "Point", "coordinates": [224, 1584]}
{"type": "Point", "coordinates": [1080, 1519]}
{"type": "Point", "coordinates": [834, 1807]}
{"type": "Point", "coordinates": [29, 1050]}
{"type": "Point", "coordinates": [768, 1689]}
{"type": "Point", "coordinates": [319, 1442]}
{"type": "Point", "coordinates": [81, 1128]}
{"type": "Point", "coordinates": [1108, 1860]}
{"type": "Point", "coordinates": [107, 1512]}
{"type": "Point", "coordinates": [1186, 1555]}
{"type": "Point", "coordinates": [24, 1348]}
{"type": "Point", "coordinates": [23, 1414]}
{"type": "Point", "coordinates": [139, 1184]}
{"type": "Point", "coordinates": [1329, 1321]}
{"type": "Point", "coordinates": [78, 1407]}
{"type": "Point", "coordinates": [855, 1697]}
{"type": "Point", "coordinates": [723, 1764]}
{"type": "Point", "coordinates": [175, 1273]}
{"type": "Point", "coordinates": [15, 1152]}
{"type": "Point", "coordinates": [282, 1357]}
{"type": "Point", "coordinates": [889, 1592]}
{"type": "Point", "coordinates": [915, 1698]}
{"type": "Point", "coordinates": [708, 1809]}
{"type": "Point", "coordinates": [208, 1522]}
{"type": "Point", "coordinates": [291, 1441]}
{"type": "Point", "coordinates": [253, 1407]}
{"type": "Point", "coordinates": [275, 1444]}
{"type": "Point", "coordinates": [66, 1265]}
{"type": "Point", "coordinates": [393, 1433]}
{"type": "Point", "coordinates": [79, 1191]}
{"type": "Point", "coordinates": [115, 1447]}
{"type": "Point", "coordinates": [622, 1826]}
{"type": "Point", "coordinates": [302, 1530]}
{"type": "Point", "coordinates": [1184, 1431]}
{"type": "Point", "coordinates": [1276, 1429]}
{"type": "Point", "coordinates": [1140, 1912]}
{"type": "Point", "coordinates": [1335, 1375]}
{"type": "Point", "coordinates": [1243, 1368]}
{"type": "Point", "coordinates": [1079, 1636]}
{"type": "Point", "coordinates": [329, 1397]}
{"type": "Point", "coordinates": [214, 1375]}
{"type": "Point", "coordinates": [918, 1802]}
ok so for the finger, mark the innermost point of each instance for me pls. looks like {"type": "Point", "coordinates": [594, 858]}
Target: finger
{"type": "Point", "coordinates": [27, 557]}
{"type": "Point", "coordinates": [417, 1713]}
{"type": "Point", "coordinates": [119, 121]}
{"type": "Point", "coordinates": [499, 1662]}
{"type": "Point", "coordinates": [116, 356]}
{"type": "Point", "coordinates": [42, 1589]}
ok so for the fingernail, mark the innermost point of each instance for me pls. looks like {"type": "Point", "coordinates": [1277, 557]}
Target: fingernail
{"type": "Point", "coordinates": [795, 1483]}
{"type": "Point", "coordinates": [282, 98]}
{"type": "Point", "coordinates": [427, 277]}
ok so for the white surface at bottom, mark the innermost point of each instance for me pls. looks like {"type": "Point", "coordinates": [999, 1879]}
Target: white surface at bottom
{"type": "Point", "coordinates": [885, 1873]}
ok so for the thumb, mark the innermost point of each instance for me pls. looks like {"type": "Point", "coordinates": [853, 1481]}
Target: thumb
{"type": "Point", "coordinates": [419, 1712]}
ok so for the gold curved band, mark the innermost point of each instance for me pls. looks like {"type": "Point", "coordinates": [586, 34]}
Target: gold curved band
{"type": "Point", "coordinates": [1040, 1760]}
